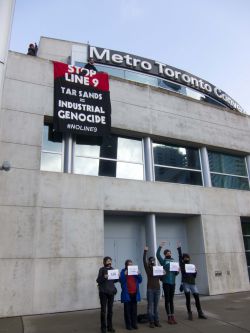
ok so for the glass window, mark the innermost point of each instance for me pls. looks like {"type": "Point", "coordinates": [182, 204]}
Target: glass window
{"type": "Point", "coordinates": [113, 156]}
{"type": "Point", "coordinates": [224, 163]}
{"type": "Point", "coordinates": [228, 171]}
{"type": "Point", "coordinates": [177, 164]}
{"type": "Point", "coordinates": [129, 171]}
{"type": "Point", "coordinates": [137, 77]}
{"type": "Point", "coordinates": [51, 162]}
{"type": "Point", "coordinates": [51, 156]}
{"type": "Point", "coordinates": [177, 176]}
{"type": "Point", "coordinates": [176, 156]}
{"type": "Point", "coordinates": [232, 182]}
{"type": "Point", "coordinates": [129, 150]}
{"type": "Point", "coordinates": [245, 224]}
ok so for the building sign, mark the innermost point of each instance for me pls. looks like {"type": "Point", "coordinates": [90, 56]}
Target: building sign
{"type": "Point", "coordinates": [128, 61]}
{"type": "Point", "coordinates": [81, 100]}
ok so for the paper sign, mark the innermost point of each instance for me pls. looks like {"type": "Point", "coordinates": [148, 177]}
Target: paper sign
{"type": "Point", "coordinates": [113, 274]}
{"type": "Point", "coordinates": [157, 270]}
{"type": "Point", "coordinates": [190, 268]}
{"type": "Point", "coordinates": [174, 266]}
{"type": "Point", "coordinates": [133, 270]}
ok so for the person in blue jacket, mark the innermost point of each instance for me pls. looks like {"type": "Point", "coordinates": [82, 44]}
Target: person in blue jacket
{"type": "Point", "coordinates": [130, 295]}
{"type": "Point", "coordinates": [168, 282]}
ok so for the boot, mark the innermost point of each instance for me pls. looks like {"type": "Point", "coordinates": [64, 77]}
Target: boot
{"type": "Point", "coordinates": [173, 320]}
{"type": "Point", "coordinates": [170, 321]}
{"type": "Point", "coordinates": [190, 316]}
{"type": "Point", "coordinates": [151, 325]}
{"type": "Point", "coordinates": [201, 315]}
{"type": "Point", "coordinates": [157, 324]}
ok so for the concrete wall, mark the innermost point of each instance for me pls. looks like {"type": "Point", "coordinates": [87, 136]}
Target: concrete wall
{"type": "Point", "coordinates": [52, 237]}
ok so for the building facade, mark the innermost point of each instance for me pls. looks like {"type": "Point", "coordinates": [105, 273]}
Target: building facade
{"type": "Point", "coordinates": [176, 168]}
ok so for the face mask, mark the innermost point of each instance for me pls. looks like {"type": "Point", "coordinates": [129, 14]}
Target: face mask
{"type": "Point", "coordinates": [152, 262]}
{"type": "Point", "coordinates": [168, 256]}
{"type": "Point", "coordinates": [186, 260]}
{"type": "Point", "coordinates": [107, 265]}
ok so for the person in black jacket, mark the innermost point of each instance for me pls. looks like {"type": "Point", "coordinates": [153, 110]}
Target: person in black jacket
{"type": "Point", "coordinates": [189, 286]}
{"type": "Point", "coordinates": [90, 64]}
{"type": "Point", "coordinates": [32, 50]}
{"type": "Point", "coordinates": [107, 290]}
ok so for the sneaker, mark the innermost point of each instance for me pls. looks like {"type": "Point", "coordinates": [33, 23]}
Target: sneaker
{"type": "Point", "coordinates": [201, 316]}
{"type": "Point", "coordinates": [190, 316]}
{"type": "Point", "coordinates": [157, 324]}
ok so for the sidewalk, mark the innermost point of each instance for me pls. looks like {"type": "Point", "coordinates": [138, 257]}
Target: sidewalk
{"type": "Point", "coordinates": [226, 314]}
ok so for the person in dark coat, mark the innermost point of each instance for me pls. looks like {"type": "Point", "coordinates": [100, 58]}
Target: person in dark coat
{"type": "Point", "coordinates": [153, 290]}
{"type": "Point", "coordinates": [90, 65]}
{"type": "Point", "coordinates": [189, 286]}
{"type": "Point", "coordinates": [107, 291]}
{"type": "Point", "coordinates": [130, 295]}
{"type": "Point", "coordinates": [32, 50]}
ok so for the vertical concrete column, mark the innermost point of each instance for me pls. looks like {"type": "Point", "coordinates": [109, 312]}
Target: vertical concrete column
{"type": "Point", "coordinates": [68, 149]}
{"type": "Point", "coordinates": [248, 166]}
{"type": "Point", "coordinates": [150, 224]}
{"type": "Point", "coordinates": [6, 17]}
{"type": "Point", "coordinates": [205, 167]}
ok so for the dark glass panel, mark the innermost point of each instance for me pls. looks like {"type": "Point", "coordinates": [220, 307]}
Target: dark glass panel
{"type": "Point", "coordinates": [245, 228]}
{"type": "Point", "coordinates": [52, 141]}
{"type": "Point", "coordinates": [225, 163]}
{"type": "Point", "coordinates": [109, 147]}
{"type": "Point", "coordinates": [248, 258]}
{"type": "Point", "coordinates": [107, 168]}
{"type": "Point", "coordinates": [176, 156]}
{"type": "Point", "coordinates": [178, 176]}
{"type": "Point", "coordinates": [229, 182]}
{"type": "Point", "coordinates": [247, 243]}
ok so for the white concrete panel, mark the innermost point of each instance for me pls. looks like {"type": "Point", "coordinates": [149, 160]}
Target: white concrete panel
{"type": "Point", "coordinates": [17, 227]}
{"type": "Point", "coordinates": [129, 92]}
{"type": "Point", "coordinates": [32, 69]}
{"type": "Point", "coordinates": [28, 97]}
{"type": "Point", "coordinates": [22, 128]}
{"type": "Point", "coordinates": [70, 191]}
{"type": "Point", "coordinates": [130, 117]}
{"type": "Point", "coordinates": [227, 273]}
{"type": "Point", "coordinates": [218, 232]}
{"type": "Point", "coordinates": [243, 202]}
{"type": "Point", "coordinates": [16, 287]}
{"type": "Point", "coordinates": [55, 49]}
{"type": "Point", "coordinates": [21, 156]}
{"type": "Point", "coordinates": [19, 187]}
{"type": "Point", "coordinates": [69, 233]}
{"type": "Point", "coordinates": [65, 284]}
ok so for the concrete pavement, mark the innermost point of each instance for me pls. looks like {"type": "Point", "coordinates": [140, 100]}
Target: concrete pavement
{"type": "Point", "coordinates": [228, 313]}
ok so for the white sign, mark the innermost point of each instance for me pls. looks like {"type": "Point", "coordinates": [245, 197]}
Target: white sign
{"type": "Point", "coordinates": [113, 274]}
{"type": "Point", "coordinates": [157, 270]}
{"type": "Point", "coordinates": [190, 268]}
{"type": "Point", "coordinates": [174, 266]}
{"type": "Point", "coordinates": [133, 270]}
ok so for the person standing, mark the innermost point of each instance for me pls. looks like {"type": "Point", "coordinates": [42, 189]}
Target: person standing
{"type": "Point", "coordinates": [107, 290]}
{"type": "Point", "coordinates": [153, 290]}
{"type": "Point", "coordinates": [189, 286]}
{"type": "Point", "coordinates": [90, 65]}
{"type": "Point", "coordinates": [130, 295]}
{"type": "Point", "coordinates": [168, 282]}
{"type": "Point", "coordinates": [32, 50]}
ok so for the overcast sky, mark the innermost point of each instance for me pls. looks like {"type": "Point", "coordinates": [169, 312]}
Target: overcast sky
{"type": "Point", "coordinates": [208, 38]}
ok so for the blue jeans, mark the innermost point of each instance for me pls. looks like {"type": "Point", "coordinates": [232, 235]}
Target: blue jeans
{"type": "Point", "coordinates": [153, 297]}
